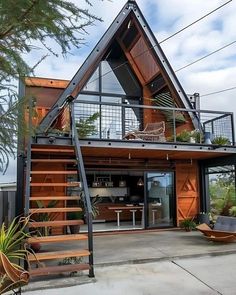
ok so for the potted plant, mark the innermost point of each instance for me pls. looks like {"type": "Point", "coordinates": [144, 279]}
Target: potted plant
{"type": "Point", "coordinates": [221, 140]}
{"type": "Point", "coordinates": [183, 136]}
{"type": "Point", "coordinates": [79, 215]}
{"type": "Point", "coordinates": [197, 135]}
{"type": "Point", "coordinates": [188, 224]}
{"type": "Point", "coordinates": [12, 254]}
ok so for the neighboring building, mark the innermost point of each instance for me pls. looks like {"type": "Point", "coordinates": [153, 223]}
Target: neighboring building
{"type": "Point", "coordinates": [9, 186]}
{"type": "Point", "coordinates": [145, 145]}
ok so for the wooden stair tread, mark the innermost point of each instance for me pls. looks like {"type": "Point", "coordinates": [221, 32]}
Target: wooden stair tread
{"type": "Point", "coordinates": [55, 223]}
{"type": "Point", "coordinates": [67, 184]}
{"type": "Point", "coordinates": [54, 172]}
{"type": "Point", "coordinates": [57, 255]}
{"type": "Point", "coordinates": [51, 146]}
{"type": "Point", "coordinates": [50, 270]}
{"type": "Point", "coordinates": [52, 150]}
{"type": "Point", "coordinates": [59, 198]}
{"type": "Point", "coordinates": [58, 238]}
{"type": "Point", "coordinates": [54, 210]}
{"type": "Point", "coordinates": [53, 161]}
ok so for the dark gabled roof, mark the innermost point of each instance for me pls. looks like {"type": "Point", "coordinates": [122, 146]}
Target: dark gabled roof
{"type": "Point", "coordinates": [83, 74]}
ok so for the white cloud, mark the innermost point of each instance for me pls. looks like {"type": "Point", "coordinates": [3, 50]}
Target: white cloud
{"type": "Point", "coordinates": [166, 17]}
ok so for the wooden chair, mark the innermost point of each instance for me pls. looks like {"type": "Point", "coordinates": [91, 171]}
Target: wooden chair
{"type": "Point", "coordinates": [14, 276]}
{"type": "Point", "coordinates": [152, 132]}
{"type": "Point", "coordinates": [223, 231]}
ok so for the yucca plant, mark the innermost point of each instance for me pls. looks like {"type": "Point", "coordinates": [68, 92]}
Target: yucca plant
{"type": "Point", "coordinates": [12, 275]}
{"type": "Point", "coordinates": [12, 238]}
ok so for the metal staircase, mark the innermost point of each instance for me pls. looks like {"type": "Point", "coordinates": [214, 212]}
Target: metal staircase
{"type": "Point", "coordinates": [55, 187]}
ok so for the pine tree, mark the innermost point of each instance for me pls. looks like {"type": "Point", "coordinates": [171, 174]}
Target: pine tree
{"type": "Point", "coordinates": [24, 23]}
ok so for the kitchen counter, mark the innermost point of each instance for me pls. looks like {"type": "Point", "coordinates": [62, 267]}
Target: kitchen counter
{"type": "Point", "coordinates": [107, 213]}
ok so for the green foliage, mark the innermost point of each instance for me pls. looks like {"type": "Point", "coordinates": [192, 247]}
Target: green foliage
{"type": "Point", "coordinates": [232, 211]}
{"type": "Point", "coordinates": [45, 231]}
{"type": "Point", "coordinates": [87, 127]}
{"type": "Point", "coordinates": [221, 140]}
{"type": "Point", "coordinates": [188, 224]}
{"type": "Point", "coordinates": [27, 26]}
{"type": "Point", "coordinates": [95, 201]}
{"type": "Point", "coordinates": [12, 237]}
{"type": "Point", "coordinates": [222, 194]}
{"type": "Point", "coordinates": [197, 135]}
{"type": "Point", "coordinates": [183, 136]}
{"type": "Point", "coordinates": [75, 215]}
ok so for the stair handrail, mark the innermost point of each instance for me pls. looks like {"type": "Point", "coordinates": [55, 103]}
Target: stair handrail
{"type": "Point", "coordinates": [82, 175]}
{"type": "Point", "coordinates": [28, 158]}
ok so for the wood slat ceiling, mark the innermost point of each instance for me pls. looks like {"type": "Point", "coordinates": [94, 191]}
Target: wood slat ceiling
{"type": "Point", "coordinates": [149, 154]}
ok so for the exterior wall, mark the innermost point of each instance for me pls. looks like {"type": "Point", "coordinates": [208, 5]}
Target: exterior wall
{"type": "Point", "coordinates": [187, 191]}
{"type": "Point", "coordinates": [45, 98]}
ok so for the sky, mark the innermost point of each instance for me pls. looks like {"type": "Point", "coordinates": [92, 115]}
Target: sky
{"type": "Point", "coordinates": [215, 73]}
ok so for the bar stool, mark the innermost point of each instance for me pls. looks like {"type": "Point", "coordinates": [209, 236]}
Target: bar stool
{"type": "Point", "coordinates": [118, 216]}
{"type": "Point", "coordinates": [153, 215]}
{"type": "Point", "coordinates": [133, 213]}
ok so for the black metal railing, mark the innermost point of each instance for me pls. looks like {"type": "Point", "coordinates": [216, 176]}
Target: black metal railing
{"type": "Point", "coordinates": [118, 122]}
{"type": "Point", "coordinates": [28, 157]}
{"type": "Point", "coordinates": [83, 180]}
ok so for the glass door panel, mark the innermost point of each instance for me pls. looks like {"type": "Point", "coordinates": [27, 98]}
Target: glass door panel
{"type": "Point", "coordinates": [160, 200]}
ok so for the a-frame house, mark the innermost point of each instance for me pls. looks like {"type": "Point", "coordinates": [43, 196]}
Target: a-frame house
{"type": "Point", "coordinates": [122, 129]}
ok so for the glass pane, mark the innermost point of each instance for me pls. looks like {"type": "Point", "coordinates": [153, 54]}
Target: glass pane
{"type": "Point", "coordinates": [160, 199]}
{"type": "Point", "coordinates": [221, 186]}
{"type": "Point", "coordinates": [112, 99]}
{"type": "Point", "coordinates": [110, 83]}
{"type": "Point", "coordinates": [111, 119]}
{"type": "Point", "coordinates": [88, 97]}
{"type": "Point", "coordinates": [132, 119]}
{"type": "Point", "coordinates": [87, 117]}
{"type": "Point", "coordinates": [93, 83]}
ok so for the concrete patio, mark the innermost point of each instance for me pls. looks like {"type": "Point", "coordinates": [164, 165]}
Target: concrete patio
{"type": "Point", "coordinates": [155, 245]}
{"type": "Point", "coordinates": [137, 248]}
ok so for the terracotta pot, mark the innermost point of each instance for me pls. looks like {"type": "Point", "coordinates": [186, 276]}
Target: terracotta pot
{"type": "Point", "coordinates": [35, 247]}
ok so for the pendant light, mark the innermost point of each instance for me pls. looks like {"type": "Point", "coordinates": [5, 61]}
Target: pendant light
{"type": "Point", "coordinates": [140, 182]}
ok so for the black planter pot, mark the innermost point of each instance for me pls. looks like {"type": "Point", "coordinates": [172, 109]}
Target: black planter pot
{"type": "Point", "coordinates": [203, 218]}
{"type": "Point", "coordinates": [74, 229]}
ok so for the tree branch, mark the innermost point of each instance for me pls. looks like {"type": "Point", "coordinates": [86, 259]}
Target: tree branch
{"type": "Point", "coordinates": [20, 18]}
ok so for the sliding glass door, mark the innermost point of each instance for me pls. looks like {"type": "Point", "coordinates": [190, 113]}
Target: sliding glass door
{"type": "Point", "coordinates": [160, 205]}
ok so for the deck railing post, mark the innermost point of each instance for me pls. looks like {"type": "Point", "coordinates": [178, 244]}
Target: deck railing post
{"type": "Point", "coordinates": [232, 128]}
{"type": "Point", "coordinates": [174, 126]}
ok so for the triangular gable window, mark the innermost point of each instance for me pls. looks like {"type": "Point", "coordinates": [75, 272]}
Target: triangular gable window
{"type": "Point", "coordinates": [110, 83]}
{"type": "Point", "coordinates": [93, 83]}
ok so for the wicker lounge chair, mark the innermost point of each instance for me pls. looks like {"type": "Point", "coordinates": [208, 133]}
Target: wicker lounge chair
{"type": "Point", "coordinates": [152, 132]}
{"type": "Point", "coordinates": [223, 231]}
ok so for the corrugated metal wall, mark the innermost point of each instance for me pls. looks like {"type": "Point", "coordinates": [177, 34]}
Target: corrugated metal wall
{"type": "Point", "coordinates": [7, 206]}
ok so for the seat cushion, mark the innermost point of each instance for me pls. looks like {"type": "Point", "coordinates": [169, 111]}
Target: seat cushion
{"type": "Point", "coordinates": [225, 223]}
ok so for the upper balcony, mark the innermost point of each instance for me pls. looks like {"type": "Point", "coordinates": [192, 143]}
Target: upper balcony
{"type": "Point", "coordinates": [123, 121]}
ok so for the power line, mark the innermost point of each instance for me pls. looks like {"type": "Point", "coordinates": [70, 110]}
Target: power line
{"type": "Point", "coordinates": [145, 51]}
{"type": "Point", "coordinates": [211, 53]}
{"type": "Point", "coordinates": [219, 91]}
{"type": "Point", "coordinates": [193, 23]}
